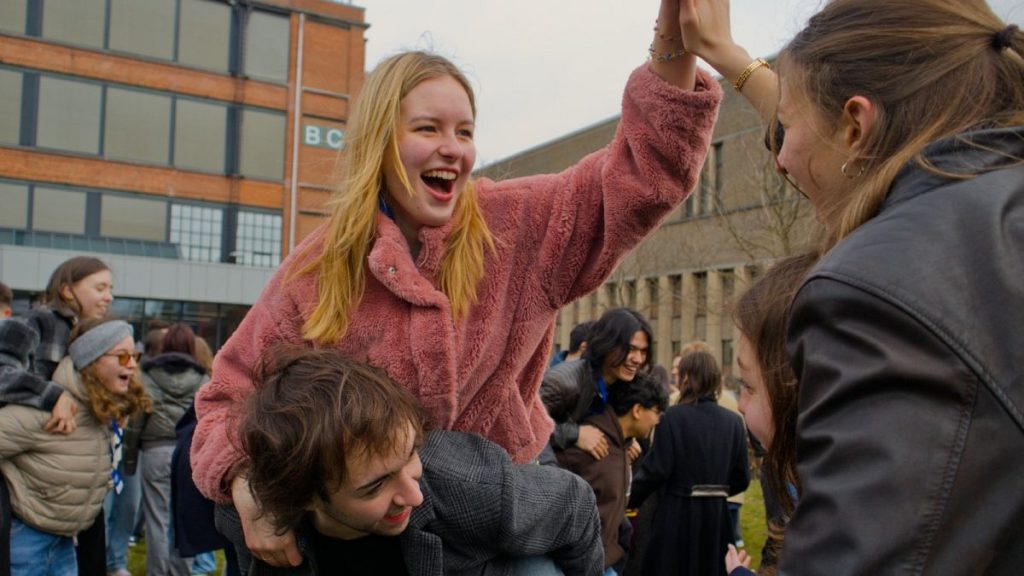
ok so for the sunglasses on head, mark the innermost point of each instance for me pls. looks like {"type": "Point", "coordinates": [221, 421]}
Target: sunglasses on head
{"type": "Point", "coordinates": [124, 358]}
{"type": "Point", "coordinates": [773, 136]}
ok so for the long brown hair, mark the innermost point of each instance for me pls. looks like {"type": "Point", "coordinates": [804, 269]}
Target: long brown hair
{"type": "Point", "coordinates": [932, 68]}
{"type": "Point", "coordinates": [69, 273]}
{"type": "Point", "coordinates": [104, 405]}
{"type": "Point", "coordinates": [762, 315]}
{"type": "Point", "coordinates": [371, 145]}
{"type": "Point", "coordinates": [312, 412]}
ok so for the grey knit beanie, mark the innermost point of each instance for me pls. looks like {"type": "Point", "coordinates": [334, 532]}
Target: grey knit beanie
{"type": "Point", "coordinates": [91, 345]}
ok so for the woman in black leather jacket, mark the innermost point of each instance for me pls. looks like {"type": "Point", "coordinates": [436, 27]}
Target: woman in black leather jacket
{"type": "Point", "coordinates": [903, 122]}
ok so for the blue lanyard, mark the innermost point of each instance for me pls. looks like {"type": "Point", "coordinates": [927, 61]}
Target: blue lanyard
{"type": "Point", "coordinates": [602, 393]}
{"type": "Point", "coordinates": [115, 474]}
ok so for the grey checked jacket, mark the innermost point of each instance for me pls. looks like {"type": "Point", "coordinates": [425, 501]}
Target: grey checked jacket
{"type": "Point", "coordinates": [480, 511]}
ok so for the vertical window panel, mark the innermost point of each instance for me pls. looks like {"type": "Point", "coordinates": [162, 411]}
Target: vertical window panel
{"type": "Point", "coordinates": [137, 126]}
{"type": "Point", "coordinates": [12, 15]}
{"type": "Point", "coordinates": [69, 115]}
{"type": "Point", "coordinates": [256, 243]}
{"type": "Point", "coordinates": [10, 106]}
{"type": "Point", "coordinates": [197, 230]}
{"type": "Point", "coordinates": [56, 210]}
{"type": "Point", "coordinates": [262, 145]}
{"type": "Point", "coordinates": [144, 27]}
{"type": "Point", "coordinates": [75, 21]}
{"type": "Point", "coordinates": [204, 34]}
{"type": "Point", "coordinates": [200, 135]}
{"type": "Point", "coordinates": [137, 218]}
{"type": "Point", "coordinates": [14, 200]}
{"type": "Point", "coordinates": [266, 46]}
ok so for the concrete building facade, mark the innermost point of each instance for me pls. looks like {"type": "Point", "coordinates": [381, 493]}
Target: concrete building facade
{"type": "Point", "coordinates": [740, 218]}
{"type": "Point", "coordinates": [189, 143]}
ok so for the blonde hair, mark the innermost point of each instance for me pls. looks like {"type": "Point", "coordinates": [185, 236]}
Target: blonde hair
{"type": "Point", "coordinates": [371, 145]}
{"type": "Point", "coordinates": [931, 68]}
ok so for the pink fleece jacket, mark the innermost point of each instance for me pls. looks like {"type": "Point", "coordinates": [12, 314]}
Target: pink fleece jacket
{"type": "Point", "coordinates": [558, 236]}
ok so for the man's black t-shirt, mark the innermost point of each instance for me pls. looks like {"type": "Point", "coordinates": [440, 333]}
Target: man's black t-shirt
{"type": "Point", "coordinates": [369, 555]}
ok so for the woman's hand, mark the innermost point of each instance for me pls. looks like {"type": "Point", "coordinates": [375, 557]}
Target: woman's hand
{"type": "Point", "coordinates": [261, 538]}
{"type": "Point", "coordinates": [62, 418]}
{"type": "Point", "coordinates": [734, 559]}
{"type": "Point", "coordinates": [705, 28]}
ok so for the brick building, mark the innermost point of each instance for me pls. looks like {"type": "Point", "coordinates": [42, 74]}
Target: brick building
{"type": "Point", "coordinates": [740, 218]}
{"type": "Point", "coordinates": [188, 143]}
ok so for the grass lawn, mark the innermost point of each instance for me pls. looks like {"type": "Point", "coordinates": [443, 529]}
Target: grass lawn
{"type": "Point", "coordinates": [752, 522]}
{"type": "Point", "coordinates": [137, 560]}
{"type": "Point", "coordinates": [752, 525]}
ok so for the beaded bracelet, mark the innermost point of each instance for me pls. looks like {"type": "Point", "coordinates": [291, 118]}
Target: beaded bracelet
{"type": "Point", "coordinates": [750, 69]}
{"type": "Point", "coordinates": [666, 56]}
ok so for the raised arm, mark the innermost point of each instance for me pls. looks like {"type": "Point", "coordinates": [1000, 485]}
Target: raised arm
{"type": "Point", "coordinates": [711, 39]}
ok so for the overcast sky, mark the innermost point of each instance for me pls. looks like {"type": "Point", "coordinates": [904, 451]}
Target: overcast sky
{"type": "Point", "coordinates": [545, 68]}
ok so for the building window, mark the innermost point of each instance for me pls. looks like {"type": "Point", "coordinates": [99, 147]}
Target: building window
{"type": "Point", "coordinates": [12, 16]}
{"type": "Point", "coordinates": [631, 293]}
{"type": "Point", "coordinates": [144, 27]}
{"type": "Point", "coordinates": [14, 199]}
{"type": "Point", "coordinates": [676, 281]}
{"type": "Point", "coordinates": [711, 180]}
{"type": "Point", "coordinates": [258, 239]}
{"type": "Point", "coordinates": [266, 47]}
{"type": "Point", "coordinates": [198, 231]}
{"type": "Point", "coordinates": [612, 293]}
{"type": "Point", "coordinates": [137, 126]}
{"type": "Point", "coordinates": [133, 217]}
{"type": "Point", "coordinates": [58, 210]}
{"type": "Point", "coordinates": [701, 287]}
{"type": "Point", "coordinates": [653, 298]}
{"type": "Point", "coordinates": [204, 38]}
{"type": "Point", "coordinates": [77, 22]}
{"type": "Point", "coordinates": [10, 106]}
{"type": "Point", "coordinates": [69, 115]}
{"type": "Point", "coordinates": [262, 150]}
{"type": "Point", "coordinates": [200, 135]}
{"type": "Point", "coordinates": [727, 355]}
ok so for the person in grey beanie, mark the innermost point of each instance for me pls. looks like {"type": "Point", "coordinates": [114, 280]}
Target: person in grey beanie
{"type": "Point", "coordinates": [57, 483]}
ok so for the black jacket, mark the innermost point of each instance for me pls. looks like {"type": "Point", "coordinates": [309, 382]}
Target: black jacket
{"type": "Point", "coordinates": [568, 390]}
{"type": "Point", "coordinates": [908, 340]}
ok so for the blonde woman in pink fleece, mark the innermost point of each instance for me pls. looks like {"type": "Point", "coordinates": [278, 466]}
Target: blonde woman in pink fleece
{"type": "Point", "coordinates": [452, 285]}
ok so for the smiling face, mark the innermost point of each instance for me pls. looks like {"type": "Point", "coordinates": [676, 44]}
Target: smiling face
{"type": "Point", "coordinates": [636, 357]}
{"type": "Point", "coordinates": [114, 376]}
{"type": "Point", "coordinates": [437, 152]}
{"type": "Point", "coordinates": [754, 402]}
{"type": "Point", "coordinates": [376, 497]}
{"type": "Point", "coordinates": [812, 151]}
{"type": "Point", "coordinates": [94, 294]}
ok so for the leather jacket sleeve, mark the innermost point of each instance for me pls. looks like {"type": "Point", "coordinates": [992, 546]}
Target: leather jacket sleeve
{"type": "Point", "coordinates": [560, 393]}
{"type": "Point", "coordinates": [885, 409]}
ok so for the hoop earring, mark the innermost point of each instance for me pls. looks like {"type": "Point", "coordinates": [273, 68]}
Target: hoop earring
{"type": "Point", "coordinates": [849, 176]}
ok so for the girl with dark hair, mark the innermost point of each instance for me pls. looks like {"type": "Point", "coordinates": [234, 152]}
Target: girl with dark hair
{"type": "Point", "coordinates": [903, 123]}
{"type": "Point", "coordinates": [698, 459]}
{"type": "Point", "coordinates": [58, 483]}
{"type": "Point", "coordinates": [172, 380]}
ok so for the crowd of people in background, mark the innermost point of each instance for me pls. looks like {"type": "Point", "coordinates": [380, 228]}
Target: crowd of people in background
{"type": "Point", "coordinates": [390, 403]}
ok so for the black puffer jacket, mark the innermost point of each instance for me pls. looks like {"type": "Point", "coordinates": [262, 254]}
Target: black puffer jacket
{"type": "Point", "coordinates": [568, 390]}
{"type": "Point", "coordinates": [908, 340]}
